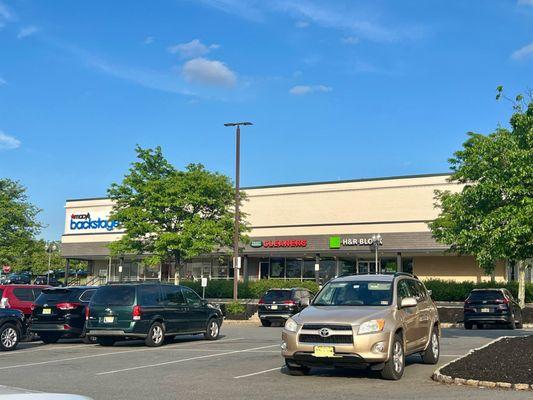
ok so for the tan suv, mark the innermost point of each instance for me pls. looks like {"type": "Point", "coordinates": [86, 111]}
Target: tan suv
{"type": "Point", "coordinates": [359, 321]}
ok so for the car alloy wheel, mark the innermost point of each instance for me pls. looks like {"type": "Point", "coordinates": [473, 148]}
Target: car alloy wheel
{"type": "Point", "coordinates": [213, 329]}
{"type": "Point", "coordinates": [9, 338]}
{"type": "Point", "coordinates": [397, 357]}
{"type": "Point", "coordinates": [157, 334]}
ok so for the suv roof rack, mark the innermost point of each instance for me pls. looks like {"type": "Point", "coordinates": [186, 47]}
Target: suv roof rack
{"type": "Point", "coordinates": [404, 274]}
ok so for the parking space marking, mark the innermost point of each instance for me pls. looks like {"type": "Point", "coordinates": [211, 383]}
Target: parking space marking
{"type": "Point", "coordinates": [47, 348]}
{"type": "Point", "coordinates": [258, 373]}
{"type": "Point", "coordinates": [183, 360]}
{"type": "Point", "coordinates": [108, 354]}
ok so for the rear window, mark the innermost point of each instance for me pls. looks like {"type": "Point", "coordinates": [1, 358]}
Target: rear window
{"type": "Point", "coordinates": [23, 294]}
{"type": "Point", "coordinates": [486, 295]}
{"type": "Point", "coordinates": [277, 295]}
{"type": "Point", "coordinates": [114, 296]}
{"type": "Point", "coordinates": [56, 295]}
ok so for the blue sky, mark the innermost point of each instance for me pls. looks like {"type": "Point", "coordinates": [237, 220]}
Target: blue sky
{"type": "Point", "coordinates": [336, 89]}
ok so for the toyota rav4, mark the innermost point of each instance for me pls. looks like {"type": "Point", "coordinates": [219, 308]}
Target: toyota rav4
{"type": "Point", "coordinates": [371, 321]}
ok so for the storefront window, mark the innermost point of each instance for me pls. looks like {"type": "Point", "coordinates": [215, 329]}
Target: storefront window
{"type": "Point", "coordinates": [294, 268]}
{"type": "Point", "coordinates": [328, 269]}
{"type": "Point", "coordinates": [220, 269]}
{"type": "Point", "coordinates": [347, 266]}
{"type": "Point", "coordinates": [277, 267]}
{"type": "Point", "coordinates": [309, 268]}
{"type": "Point", "coordinates": [388, 265]}
{"type": "Point", "coordinates": [407, 265]}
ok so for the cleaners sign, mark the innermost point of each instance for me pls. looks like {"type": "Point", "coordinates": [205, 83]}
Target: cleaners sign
{"type": "Point", "coordinates": [83, 222]}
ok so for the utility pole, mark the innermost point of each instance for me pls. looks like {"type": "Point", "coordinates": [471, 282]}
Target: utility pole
{"type": "Point", "coordinates": [236, 259]}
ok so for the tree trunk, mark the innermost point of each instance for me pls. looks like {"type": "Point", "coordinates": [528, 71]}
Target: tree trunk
{"type": "Point", "coordinates": [522, 283]}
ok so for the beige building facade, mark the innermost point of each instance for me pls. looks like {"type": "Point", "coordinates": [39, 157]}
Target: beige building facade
{"type": "Point", "coordinates": [335, 227]}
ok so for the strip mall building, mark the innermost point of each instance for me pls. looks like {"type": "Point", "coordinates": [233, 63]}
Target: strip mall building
{"type": "Point", "coordinates": [297, 226]}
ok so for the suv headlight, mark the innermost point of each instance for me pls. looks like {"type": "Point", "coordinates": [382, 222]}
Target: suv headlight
{"type": "Point", "coordinates": [375, 325]}
{"type": "Point", "coordinates": [291, 325]}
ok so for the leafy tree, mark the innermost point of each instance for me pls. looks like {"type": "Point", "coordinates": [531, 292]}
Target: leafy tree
{"type": "Point", "coordinates": [18, 222]}
{"type": "Point", "coordinates": [169, 214]}
{"type": "Point", "coordinates": [492, 216]}
{"type": "Point", "coordinates": [35, 259]}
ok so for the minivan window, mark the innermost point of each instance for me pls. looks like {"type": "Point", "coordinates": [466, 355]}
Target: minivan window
{"type": "Point", "coordinates": [192, 298]}
{"type": "Point", "coordinates": [172, 295]}
{"type": "Point", "coordinates": [114, 296]}
{"type": "Point", "coordinates": [150, 295]}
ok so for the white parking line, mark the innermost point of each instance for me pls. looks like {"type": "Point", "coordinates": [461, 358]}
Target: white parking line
{"type": "Point", "coordinates": [44, 348]}
{"type": "Point", "coordinates": [108, 354]}
{"type": "Point", "coordinates": [183, 360]}
{"type": "Point", "coordinates": [258, 373]}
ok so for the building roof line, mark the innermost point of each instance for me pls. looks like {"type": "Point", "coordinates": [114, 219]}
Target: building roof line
{"type": "Point", "coordinates": [384, 178]}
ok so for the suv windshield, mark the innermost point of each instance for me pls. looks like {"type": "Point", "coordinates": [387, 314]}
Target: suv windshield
{"type": "Point", "coordinates": [355, 293]}
{"type": "Point", "coordinates": [114, 296]}
{"type": "Point", "coordinates": [277, 296]}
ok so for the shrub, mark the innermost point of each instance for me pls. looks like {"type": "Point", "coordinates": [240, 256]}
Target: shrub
{"type": "Point", "coordinates": [458, 291]}
{"type": "Point", "coordinates": [235, 308]}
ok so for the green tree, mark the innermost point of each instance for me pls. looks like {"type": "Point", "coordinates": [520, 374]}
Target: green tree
{"type": "Point", "coordinates": [169, 214]}
{"type": "Point", "coordinates": [35, 259]}
{"type": "Point", "coordinates": [492, 216]}
{"type": "Point", "coordinates": [18, 222]}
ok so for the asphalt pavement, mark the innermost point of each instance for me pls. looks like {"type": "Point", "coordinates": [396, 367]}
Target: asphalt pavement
{"type": "Point", "coordinates": [245, 363]}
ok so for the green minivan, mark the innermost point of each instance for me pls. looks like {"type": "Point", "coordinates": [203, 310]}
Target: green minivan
{"type": "Point", "coordinates": [149, 311]}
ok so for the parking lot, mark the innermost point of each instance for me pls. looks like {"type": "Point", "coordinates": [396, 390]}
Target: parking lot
{"type": "Point", "coordinates": [244, 363]}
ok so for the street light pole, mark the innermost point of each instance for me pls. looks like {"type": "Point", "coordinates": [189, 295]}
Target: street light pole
{"type": "Point", "coordinates": [376, 239]}
{"type": "Point", "coordinates": [236, 260]}
{"type": "Point", "coordinates": [49, 248]}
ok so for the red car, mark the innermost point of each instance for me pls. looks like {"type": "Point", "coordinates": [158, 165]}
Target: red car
{"type": "Point", "coordinates": [19, 297]}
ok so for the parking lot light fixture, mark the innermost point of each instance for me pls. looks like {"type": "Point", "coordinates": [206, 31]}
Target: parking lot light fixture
{"type": "Point", "coordinates": [376, 240]}
{"type": "Point", "coordinates": [49, 247]}
{"type": "Point", "coordinates": [236, 260]}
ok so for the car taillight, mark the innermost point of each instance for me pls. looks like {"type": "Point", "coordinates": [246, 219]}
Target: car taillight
{"type": "Point", "coordinates": [4, 303]}
{"type": "Point", "coordinates": [289, 302]}
{"type": "Point", "coordinates": [502, 301]}
{"type": "Point", "coordinates": [32, 307]}
{"type": "Point", "coordinates": [67, 306]}
{"type": "Point", "coordinates": [87, 313]}
{"type": "Point", "coordinates": [137, 313]}
{"type": "Point", "coordinates": [261, 301]}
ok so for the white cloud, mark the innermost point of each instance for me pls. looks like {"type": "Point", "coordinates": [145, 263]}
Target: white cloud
{"type": "Point", "coordinates": [301, 90]}
{"type": "Point", "coordinates": [525, 2]}
{"type": "Point", "coordinates": [27, 31]}
{"type": "Point", "coordinates": [5, 13]}
{"type": "Point", "coordinates": [350, 40]}
{"type": "Point", "coordinates": [209, 72]}
{"type": "Point", "coordinates": [2, 81]}
{"type": "Point", "coordinates": [523, 52]}
{"type": "Point", "coordinates": [194, 48]}
{"type": "Point", "coordinates": [8, 142]}
{"type": "Point", "coordinates": [301, 24]}
{"type": "Point", "coordinates": [148, 40]}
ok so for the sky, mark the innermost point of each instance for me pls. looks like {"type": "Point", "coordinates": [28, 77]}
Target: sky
{"type": "Point", "coordinates": [336, 89]}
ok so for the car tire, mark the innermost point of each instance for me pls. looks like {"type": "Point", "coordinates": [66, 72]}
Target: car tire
{"type": "Point", "coordinates": [299, 370]}
{"type": "Point", "coordinates": [9, 337]}
{"type": "Point", "coordinates": [468, 325]}
{"type": "Point", "coordinates": [106, 341]}
{"type": "Point", "coordinates": [156, 335]}
{"type": "Point", "coordinates": [88, 339]}
{"type": "Point", "coordinates": [510, 325]}
{"type": "Point", "coordinates": [50, 337]}
{"type": "Point", "coordinates": [213, 329]}
{"type": "Point", "coordinates": [432, 353]}
{"type": "Point", "coordinates": [480, 326]}
{"type": "Point", "coordinates": [266, 323]}
{"type": "Point", "coordinates": [520, 323]}
{"type": "Point", "coordinates": [395, 366]}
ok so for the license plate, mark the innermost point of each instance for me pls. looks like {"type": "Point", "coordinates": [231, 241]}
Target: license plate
{"type": "Point", "coordinates": [273, 307]}
{"type": "Point", "coordinates": [109, 320]}
{"type": "Point", "coordinates": [47, 311]}
{"type": "Point", "coordinates": [485, 310]}
{"type": "Point", "coordinates": [324, 351]}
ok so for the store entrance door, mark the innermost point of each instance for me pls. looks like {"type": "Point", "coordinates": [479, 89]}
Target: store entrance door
{"type": "Point", "coordinates": [264, 269]}
{"type": "Point", "coordinates": [366, 267]}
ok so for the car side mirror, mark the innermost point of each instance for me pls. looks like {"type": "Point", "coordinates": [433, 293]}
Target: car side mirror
{"type": "Point", "coordinates": [408, 302]}
{"type": "Point", "coordinates": [430, 292]}
{"type": "Point", "coordinates": [204, 302]}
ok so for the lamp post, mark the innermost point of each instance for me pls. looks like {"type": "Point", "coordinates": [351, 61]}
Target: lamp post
{"type": "Point", "coordinates": [376, 241]}
{"type": "Point", "coordinates": [236, 259]}
{"type": "Point", "coordinates": [49, 248]}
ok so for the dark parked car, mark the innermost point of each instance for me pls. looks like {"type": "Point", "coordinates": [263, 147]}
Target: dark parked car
{"type": "Point", "coordinates": [277, 305]}
{"type": "Point", "coordinates": [12, 329]}
{"type": "Point", "coordinates": [149, 311]}
{"type": "Point", "coordinates": [59, 312]}
{"type": "Point", "coordinates": [492, 306]}
{"type": "Point", "coordinates": [19, 297]}
{"type": "Point", "coordinates": [17, 279]}
{"type": "Point", "coordinates": [51, 281]}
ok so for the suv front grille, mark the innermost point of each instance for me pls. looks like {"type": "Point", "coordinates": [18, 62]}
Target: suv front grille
{"type": "Point", "coordinates": [317, 327]}
{"type": "Point", "coordinates": [333, 339]}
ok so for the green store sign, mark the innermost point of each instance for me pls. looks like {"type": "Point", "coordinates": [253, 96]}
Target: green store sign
{"type": "Point", "coordinates": [256, 243]}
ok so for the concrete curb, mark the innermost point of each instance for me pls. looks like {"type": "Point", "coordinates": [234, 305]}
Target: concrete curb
{"type": "Point", "coordinates": [439, 377]}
